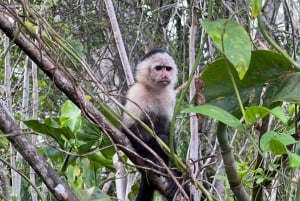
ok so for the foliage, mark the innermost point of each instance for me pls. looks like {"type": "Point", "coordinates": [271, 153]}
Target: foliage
{"type": "Point", "coordinates": [90, 150]}
{"type": "Point", "coordinates": [234, 42]}
{"type": "Point", "coordinates": [268, 71]}
{"type": "Point", "coordinates": [246, 88]}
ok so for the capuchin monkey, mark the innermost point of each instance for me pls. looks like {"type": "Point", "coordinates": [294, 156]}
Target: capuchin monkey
{"type": "Point", "coordinates": [152, 99]}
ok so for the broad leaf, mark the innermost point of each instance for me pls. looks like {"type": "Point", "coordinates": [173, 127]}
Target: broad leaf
{"type": "Point", "coordinates": [218, 114]}
{"type": "Point", "coordinates": [77, 46]}
{"type": "Point", "coordinates": [278, 112]}
{"type": "Point", "coordinates": [268, 71]}
{"type": "Point", "coordinates": [59, 134]}
{"type": "Point", "coordinates": [276, 143]}
{"type": "Point", "coordinates": [294, 159]}
{"type": "Point", "coordinates": [233, 40]}
{"type": "Point", "coordinates": [70, 116]}
{"type": "Point", "coordinates": [276, 147]}
{"type": "Point", "coordinates": [255, 113]}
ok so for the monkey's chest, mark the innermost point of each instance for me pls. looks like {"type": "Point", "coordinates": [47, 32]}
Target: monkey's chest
{"type": "Point", "coordinates": [160, 106]}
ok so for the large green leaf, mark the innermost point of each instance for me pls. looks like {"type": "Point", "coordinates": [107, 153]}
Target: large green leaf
{"type": "Point", "coordinates": [276, 142]}
{"type": "Point", "coordinates": [233, 40]}
{"type": "Point", "coordinates": [70, 116]}
{"type": "Point", "coordinates": [59, 134]}
{"type": "Point", "coordinates": [294, 159]}
{"type": "Point", "coordinates": [218, 114]}
{"type": "Point", "coordinates": [255, 113]}
{"type": "Point", "coordinates": [268, 70]}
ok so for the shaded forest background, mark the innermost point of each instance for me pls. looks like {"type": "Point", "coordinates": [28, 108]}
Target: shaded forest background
{"type": "Point", "coordinates": [80, 58]}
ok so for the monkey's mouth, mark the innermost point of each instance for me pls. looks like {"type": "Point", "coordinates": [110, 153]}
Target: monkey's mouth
{"type": "Point", "coordinates": [164, 82]}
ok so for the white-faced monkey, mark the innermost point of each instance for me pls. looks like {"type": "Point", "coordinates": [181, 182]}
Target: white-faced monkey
{"type": "Point", "coordinates": [153, 94]}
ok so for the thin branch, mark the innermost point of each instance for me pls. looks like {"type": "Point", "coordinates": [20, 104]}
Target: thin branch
{"type": "Point", "coordinates": [119, 41]}
{"type": "Point", "coordinates": [264, 32]}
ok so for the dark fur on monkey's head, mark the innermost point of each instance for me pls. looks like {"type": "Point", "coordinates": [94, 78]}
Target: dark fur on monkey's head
{"type": "Point", "coordinates": [155, 51]}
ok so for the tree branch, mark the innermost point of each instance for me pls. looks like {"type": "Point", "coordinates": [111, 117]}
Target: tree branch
{"type": "Point", "coordinates": [55, 184]}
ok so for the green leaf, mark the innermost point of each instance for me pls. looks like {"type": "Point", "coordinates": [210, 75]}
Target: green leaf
{"type": "Point", "coordinates": [77, 46]}
{"type": "Point", "coordinates": [70, 110]}
{"type": "Point", "coordinates": [70, 116]}
{"type": "Point", "coordinates": [276, 147]}
{"type": "Point", "coordinates": [59, 134]}
{"type": "Point", "coordinates": [268, 71]}
{"type": "Point", "coordinates": [218, 114]}
{"type": "Point", "coordinates": [294, 159]}
{"type": "Point", "coordinates": [100, 158]}
{"type": "Point", "coordinates": [278, 112]}
{"type": "Point", "coordinates": [233, 40]}
{"type": "Point", "coordinates": [255, 113]}
{"type": "Point", "coordinates": [275, 142]}
{"type": "Point", "coordinates": [256, 6]}
{"type": "Point", "coordinates": [288, 88]}
{"type": "Point", "coordinates": [53, 154]}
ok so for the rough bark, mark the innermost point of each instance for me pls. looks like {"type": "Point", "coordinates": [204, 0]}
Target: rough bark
{"type": "Point", "coordinates": [60, 190]}
{"type": "Point", "coordinates": [68, 85]}
{"type": "Point", "coordinates": [194, 141]}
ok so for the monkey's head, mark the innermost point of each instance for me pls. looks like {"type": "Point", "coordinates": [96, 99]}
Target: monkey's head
{"type": "Point", "coordinates": [157, 69]}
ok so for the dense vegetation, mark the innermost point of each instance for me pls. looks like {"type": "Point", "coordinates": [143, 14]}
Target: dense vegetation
{"type": "Point", "coordinates": [67, 65]}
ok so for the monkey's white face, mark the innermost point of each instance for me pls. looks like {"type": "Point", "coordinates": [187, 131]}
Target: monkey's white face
{"type": "Point", "coordinates": [161, 75]}
{"type": "Point", "coordinates": [157, 71]}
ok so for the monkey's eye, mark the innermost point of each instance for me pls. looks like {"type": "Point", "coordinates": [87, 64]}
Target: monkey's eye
{"type": "Point", "coordinates": [168, 68]}
{"type": "Point", "coordinates": [158, 67]}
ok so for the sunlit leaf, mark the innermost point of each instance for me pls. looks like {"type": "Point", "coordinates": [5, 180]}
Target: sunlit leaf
{"type": "Point", "coordinates": [233, 40]}
{"type": "Point", "coordinates": [70, 116]}
{"type": "Point", "coordinates": [255, 113]}
{"type": "Point", "coordinates": [218, 114]}
{"type": "Point", "coordinates": [278, 112]}
{"type": "Point", "coordinates": [276, 143]}
{"type": "Point", "coordinates": [294, 160]}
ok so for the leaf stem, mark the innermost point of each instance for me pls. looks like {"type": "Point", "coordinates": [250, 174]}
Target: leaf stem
{"type": "Point", "coordinates": [264, 32]}
{"type": "Point", "coordinates": [236, 91]}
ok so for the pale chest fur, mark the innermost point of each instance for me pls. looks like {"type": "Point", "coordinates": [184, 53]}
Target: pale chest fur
{"type": "Point", "coordinates": [159, 102]}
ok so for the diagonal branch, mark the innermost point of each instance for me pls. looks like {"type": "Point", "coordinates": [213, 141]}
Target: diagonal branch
{"type": "Point", "coordinates": [55, 184]}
